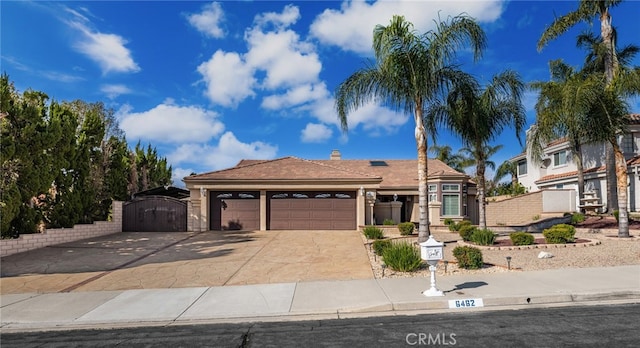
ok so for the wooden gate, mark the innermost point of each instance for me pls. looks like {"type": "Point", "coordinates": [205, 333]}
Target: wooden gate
{"type": "Point", "coordinates": [154, 214]}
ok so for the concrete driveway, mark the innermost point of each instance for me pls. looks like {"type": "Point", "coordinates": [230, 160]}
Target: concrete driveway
{"type": "Point", "coordinates": [145, 260]}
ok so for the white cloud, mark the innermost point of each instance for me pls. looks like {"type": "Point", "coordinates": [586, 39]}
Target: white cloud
{"type": "Point", "coordinates": [227, 153]}
{"type": "Point", "coordinates": [167, 123]}
{"type": "Point", "coordinates": [228, 78]}
{"type": "Point", "coordinates": [351, 27]}
{"type": "Point", "coordinates": [108, 50]}
{"type": "Point", "coordinates": [290, 14]}
{"type": "Point", "coordinates": [315, 133]}
{"type": "Point", "coordinates": [375, 119]}
{"type": "Point", "coordinates": [177, 174]}
{"type": "Point", "coordinates": [296, 96]}
{"type": "Point", "coordinates": [286, 60]}
{"type": "Point", "coordinates": [113, 91]}
{"type": "Point", "coordinates": [208, 21]}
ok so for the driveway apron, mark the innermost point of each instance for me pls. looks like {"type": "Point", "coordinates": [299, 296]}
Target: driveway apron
{"type": "Point", "coordinates": [148, 260]}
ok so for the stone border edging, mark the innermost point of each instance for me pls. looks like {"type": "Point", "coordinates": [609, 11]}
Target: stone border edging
{"type": "Point", "coordinates": [591, 242]}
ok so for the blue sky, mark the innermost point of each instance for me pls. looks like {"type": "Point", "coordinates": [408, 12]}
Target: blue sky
{"type": "Point", "coordinates": [210, 83]}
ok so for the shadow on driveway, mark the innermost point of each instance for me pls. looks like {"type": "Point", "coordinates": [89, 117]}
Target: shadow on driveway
{"type": "Point", "coordinates": [142, 260]}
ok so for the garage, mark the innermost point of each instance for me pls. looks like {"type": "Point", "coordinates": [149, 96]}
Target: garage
{"type": "Point", "coordinates": [312, 210]}
{"type": "Point", "coordinates": [235, 210]}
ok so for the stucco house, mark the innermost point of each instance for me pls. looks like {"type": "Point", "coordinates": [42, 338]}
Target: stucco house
{"type": "Point", "coordinates": [558, 170]}
{"type": "Point", "coordinates": [291, 193]}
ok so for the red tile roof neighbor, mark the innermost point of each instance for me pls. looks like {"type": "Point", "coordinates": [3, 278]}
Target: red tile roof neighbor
{"type": "Point", "coordinates": [634, 161]}
{"type": "Point", "coordinates": [396, 173]}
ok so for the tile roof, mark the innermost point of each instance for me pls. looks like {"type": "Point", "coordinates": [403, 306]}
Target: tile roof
{"type": "Point", "coordinates": [634, 161]}
{"type": "Point", "coordinates": [396, 174]}
{"type": "Point", "coordinates": [285, 168]}
{"type": "Point", "coordinates": [554, 177]}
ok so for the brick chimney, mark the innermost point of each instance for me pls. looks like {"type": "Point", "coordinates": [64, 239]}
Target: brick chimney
{"type": "Point", "coordinates": [335, 155]}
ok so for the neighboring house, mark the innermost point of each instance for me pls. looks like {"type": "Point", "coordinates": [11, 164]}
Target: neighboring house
{"type": "Point", "coordinates": [558, 169]}
{"type": "Point", "coordinates": [293, 193]}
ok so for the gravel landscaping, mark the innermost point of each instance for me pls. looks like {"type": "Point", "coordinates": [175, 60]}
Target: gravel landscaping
{"type": "Point", "coordinates": [604, 249]}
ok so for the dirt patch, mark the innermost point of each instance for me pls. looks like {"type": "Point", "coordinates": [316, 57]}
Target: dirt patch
{"type": "Point", "coordinates": [605, 222]}
{"type": "Point", "coordinates": [538, 241]}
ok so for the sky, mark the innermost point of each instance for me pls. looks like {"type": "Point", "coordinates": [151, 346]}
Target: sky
{"type": "Point", "coordinates": [211, 83]}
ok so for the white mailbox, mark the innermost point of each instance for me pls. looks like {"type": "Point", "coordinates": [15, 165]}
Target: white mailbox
{"type": "Point", "coordinates": [431, 250]}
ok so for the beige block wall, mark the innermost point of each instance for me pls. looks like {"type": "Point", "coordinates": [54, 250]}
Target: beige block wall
{"type": "Point", "coordinates": [516, 210]}
{"type": "Point", "coordinates": [54, 236]}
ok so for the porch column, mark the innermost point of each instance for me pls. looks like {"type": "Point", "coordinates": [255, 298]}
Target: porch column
{"type": "Point", "coordinates": [204, 207]}
{"type": "Point", "coordinates": [263, 210]}
{"type": "Point", "coordinates": [434, 212]}
{"type": "Point", "coordinates": [360, 210]}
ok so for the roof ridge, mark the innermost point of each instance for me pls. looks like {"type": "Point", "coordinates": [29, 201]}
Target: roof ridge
{"type": "Point", "coordinates": [338, 168]}
{"type": "Point", "coordinates": [244, 166]}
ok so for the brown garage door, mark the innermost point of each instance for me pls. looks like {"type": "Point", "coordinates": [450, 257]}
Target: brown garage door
{"type": "Point", "coordinates": [235, 210]}
{"type": "Point", "coordinates": [312, 211]}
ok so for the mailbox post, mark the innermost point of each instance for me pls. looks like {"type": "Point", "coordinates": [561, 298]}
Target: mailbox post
{"type": "Point", "coordinates": [431, 251]}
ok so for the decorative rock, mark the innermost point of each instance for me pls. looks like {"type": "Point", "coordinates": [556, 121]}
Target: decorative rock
{"type": "Point", "coordinates": [545, 255]}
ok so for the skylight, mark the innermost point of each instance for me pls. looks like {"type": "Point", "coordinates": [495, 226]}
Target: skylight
{"type": "Point", "coordinates": [378, 163]}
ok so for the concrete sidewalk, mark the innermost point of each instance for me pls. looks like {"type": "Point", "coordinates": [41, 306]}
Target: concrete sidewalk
{"type": "Point", "coordinates": [313, 300]}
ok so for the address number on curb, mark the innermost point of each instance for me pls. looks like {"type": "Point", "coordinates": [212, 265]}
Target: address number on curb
{"type": "Point", "coordinates": [466, 303]}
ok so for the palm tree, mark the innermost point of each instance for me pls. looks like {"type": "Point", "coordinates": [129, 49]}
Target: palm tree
{"type": "Point", "coordinates": [479, 115]}
{"type": "Point", "coordinates": [457, 161]}
{"type": "Point", "coordinates": [560, 112]}
{"type": "Point", "coordinates": [410, 70]}
{"type": "Point", "coordinates": [507, 168]}
{"type": "Point", "coordinates": [586, 11]}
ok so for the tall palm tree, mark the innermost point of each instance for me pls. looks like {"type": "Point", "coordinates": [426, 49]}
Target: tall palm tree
{"type": "Point", "coordinates": [457, 161]}
{"type": "Point", "coordinates": [586, 11]}
{"type": "Point", "coordinates": [410, 70]}
{"type": "Point", "coordinates": [560, 112]}
{"type": "Point", "coordinates": [479, 115]}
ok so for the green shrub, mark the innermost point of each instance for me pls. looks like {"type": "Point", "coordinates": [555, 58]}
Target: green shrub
{"type": "Point", "coordinates": [380, 245]}
{"type": "Point", "coordinates": [483, 237]}
{"type": "Point", "coordinates": [372, 232]}
{"type": "Point", "coordinates": [402, 257]}
{"type": "Point", "coordinates": [577, 218]}
{"type": "Point", "coordinates": [458, 225]}
{"type": "Point", "coordinates": [448, 222]}
{"type": "Point", "coordinates": [406, 228]}
{"type": "Point", "coordinates": [521, 238]}
{"type": "Point", "coordinates": [616, 214]}
{"type": "Point", "coordinates": [388, 222]}
{"type": "Point", "coordinates": [559, 234]}
{"type": "Point", "coordinates": [466, 231]}
{"type": "Point", "coordinates": [468, 257]}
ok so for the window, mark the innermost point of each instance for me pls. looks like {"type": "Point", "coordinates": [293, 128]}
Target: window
{"type": "Point", "coordinates": [560, 186]}
{"type": "Point", "coordinates": [450, 201]}
{"type": "Point", "coordinates": [433, 193]}
{"type": "Point", "coordinates": [522, 167]}
{"type": "Point", "coordinates": [559, 158]}
{"type": "Point", "coordinates": [627, 144]}
{"type": "Point", "coordinates": [451, 187]}
{"type": "Point", "coordinates": [451, 204]}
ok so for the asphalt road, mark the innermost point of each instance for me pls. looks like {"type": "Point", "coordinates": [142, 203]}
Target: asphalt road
{"type": "Point", "coordinates": [583, 326]}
